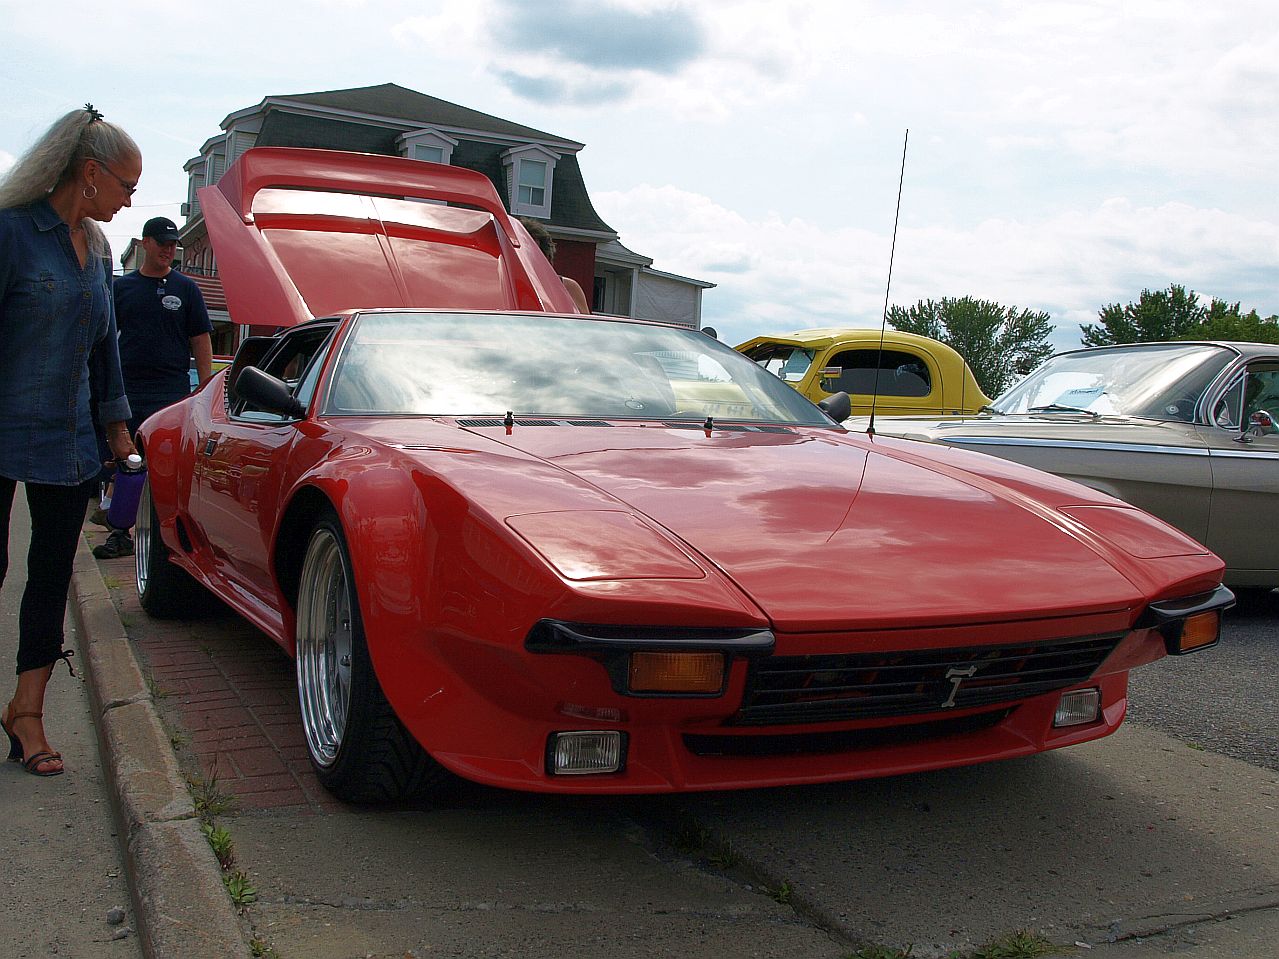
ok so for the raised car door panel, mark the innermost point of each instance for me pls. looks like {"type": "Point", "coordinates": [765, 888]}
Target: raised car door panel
{"type": "Point", "coordinates": [1241, 527]}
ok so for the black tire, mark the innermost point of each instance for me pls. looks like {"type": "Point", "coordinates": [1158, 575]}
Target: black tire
{"type": "Point", "coordinates": [165, 591]}
{"type": "Point", "coordinates": [359, 749]}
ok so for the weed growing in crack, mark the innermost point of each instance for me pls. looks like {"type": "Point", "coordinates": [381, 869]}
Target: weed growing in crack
{"type": "Point", "coordinates": [208, 797]}
{"type": "Point", "coordinates": [240, 890]}
{"type": "Point", "coordinates": [220, 842]}
{"type": "Point", "coordinates": [1022, 944]}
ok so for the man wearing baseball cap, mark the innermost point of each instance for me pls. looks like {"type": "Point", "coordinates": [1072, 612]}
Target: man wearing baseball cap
{"type": "Point", "coordinates": [163, 323]}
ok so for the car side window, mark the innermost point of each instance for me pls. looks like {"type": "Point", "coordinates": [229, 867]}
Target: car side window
{"type": "Point", "coordinates": [1253, 391]}
{"type": "Point", "coordinates": [297, 361]}
{"type": "Point", "coordinates": [900, 373]}
{"type": "Point", "coordinates": [789, 363]}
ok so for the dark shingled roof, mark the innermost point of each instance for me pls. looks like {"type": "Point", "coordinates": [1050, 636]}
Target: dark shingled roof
{"type": "Point", "coordinates": [570, 204]}
{"type": "Point", "coordinates": [394, 101]}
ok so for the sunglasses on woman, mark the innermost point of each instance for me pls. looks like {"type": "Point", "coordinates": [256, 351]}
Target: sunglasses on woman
{"type": "Point", "coordinates": [129, 188]}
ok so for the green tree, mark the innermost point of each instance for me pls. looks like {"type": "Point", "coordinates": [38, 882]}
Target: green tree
{"type": "Point", "coordinates": [1227, 321]}
{"type": "Point", "coordinates": [1000, 343]}
{"type": "Point", "coordinates": [1162, 315]}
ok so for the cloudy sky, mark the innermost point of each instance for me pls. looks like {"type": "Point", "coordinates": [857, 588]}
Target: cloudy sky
{"type": "Point", "coordinates": [1063, 154]}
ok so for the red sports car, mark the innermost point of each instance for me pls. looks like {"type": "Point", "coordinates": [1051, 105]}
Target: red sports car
{"type": "Point", "coordinates": [578, 554]}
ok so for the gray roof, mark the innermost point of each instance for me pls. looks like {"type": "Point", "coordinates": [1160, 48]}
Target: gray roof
{"type": "Point", "coordinates": [397, 102]}
{"type": "Point", "coordinates": [570, 204]}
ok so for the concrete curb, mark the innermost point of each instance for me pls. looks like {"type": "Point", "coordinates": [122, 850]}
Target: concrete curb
{"type": "Point", "coordinates": [179, 902]}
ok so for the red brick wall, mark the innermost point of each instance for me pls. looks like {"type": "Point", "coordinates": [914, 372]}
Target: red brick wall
{"type": "Point", "coordinates": [576, 260]}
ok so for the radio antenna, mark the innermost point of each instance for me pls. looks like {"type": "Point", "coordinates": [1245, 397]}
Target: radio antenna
{"type": "Point", "coordinates": [883, 322]}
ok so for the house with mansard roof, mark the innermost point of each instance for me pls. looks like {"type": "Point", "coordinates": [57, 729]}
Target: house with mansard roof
{"type": "Point", "coordinates": [535, 172]}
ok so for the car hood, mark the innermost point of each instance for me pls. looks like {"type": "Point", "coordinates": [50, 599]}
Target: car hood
{"type": "Point", "coordinates": [822, 529]}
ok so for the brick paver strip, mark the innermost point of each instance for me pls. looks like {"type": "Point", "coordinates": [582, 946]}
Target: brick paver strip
{"type": "Point", "coordinates": [228, 694]}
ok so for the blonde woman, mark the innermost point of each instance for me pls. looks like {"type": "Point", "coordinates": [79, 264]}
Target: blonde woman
{"type": "Point", "coordinates": [57, 341]}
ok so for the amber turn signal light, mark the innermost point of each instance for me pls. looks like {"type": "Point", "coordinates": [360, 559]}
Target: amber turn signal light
{"type": "Point", "coordinates": [676, 672]}
{"type": "Point", "coordinates": [1200, 631]}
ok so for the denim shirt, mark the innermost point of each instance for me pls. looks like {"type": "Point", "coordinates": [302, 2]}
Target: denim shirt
{"type": "Point", "coordinates": [57, 324]}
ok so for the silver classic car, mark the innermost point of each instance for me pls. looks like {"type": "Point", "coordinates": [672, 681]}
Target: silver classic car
{"type": "Point", "coordinates": [1186, 431]}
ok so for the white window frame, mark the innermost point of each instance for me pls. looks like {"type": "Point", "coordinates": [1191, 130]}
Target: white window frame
{"type": "Point", "coordinates": [432, 139]}
{"type": "Point", "coordinates": [514, 161]}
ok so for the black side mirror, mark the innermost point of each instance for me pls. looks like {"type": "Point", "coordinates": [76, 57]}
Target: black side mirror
{"type": "Point", "coordinates": [837, 406]}
{"type": "Point", "coordinates": [267, 393]}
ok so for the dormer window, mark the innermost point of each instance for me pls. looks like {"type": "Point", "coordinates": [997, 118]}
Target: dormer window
{"type": "Point", "coordinates": [429, 145]}
{"type": "Point", "coordinates": [532, 191]}
{"type": "Point", "coordinates": [529, 173]}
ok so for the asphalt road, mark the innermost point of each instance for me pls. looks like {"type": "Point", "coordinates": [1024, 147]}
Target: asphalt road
{"type": "Point", "coordinates": [1225, 699]}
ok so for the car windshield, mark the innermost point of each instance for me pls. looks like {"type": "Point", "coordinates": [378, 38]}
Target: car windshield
{"type": "Point", "coordinates": [1163, 381]}
{"type": "Point", "coordinates": [464, 364]}
{"type": "Point", "coordinates": [783, 360]}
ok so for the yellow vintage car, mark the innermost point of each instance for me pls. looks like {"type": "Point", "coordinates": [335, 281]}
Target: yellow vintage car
{"type": "Point", "coordinates": [916, 374]}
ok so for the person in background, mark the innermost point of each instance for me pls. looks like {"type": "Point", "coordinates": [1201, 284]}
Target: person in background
{"type": "Point", "coordinates": [163, 323]}
{"type": "Point", "coordinates": [57, 325]}
{"type": "Point", "coordinates": [547, 245]}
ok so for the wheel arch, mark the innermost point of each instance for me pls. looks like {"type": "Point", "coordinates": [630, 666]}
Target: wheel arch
{"type": "Point", "coordinates": [292, 536]}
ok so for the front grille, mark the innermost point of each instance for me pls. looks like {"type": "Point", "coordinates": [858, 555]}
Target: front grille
{"type": "Point", "coordinates": [809, 744]}
{"type": "Point", "coordinates": [825, 688]}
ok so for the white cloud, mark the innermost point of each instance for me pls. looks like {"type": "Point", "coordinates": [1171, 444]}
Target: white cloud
{"type": "Point", "coordinates": [1064, 153]}
{"type": "Point", "coordinates": [779, 274]}
{"type": "Point", "coordinates": [6, 161]}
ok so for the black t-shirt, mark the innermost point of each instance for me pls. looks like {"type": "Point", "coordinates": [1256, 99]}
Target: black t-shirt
{"type": "Point", "coordinates": [157, 318]}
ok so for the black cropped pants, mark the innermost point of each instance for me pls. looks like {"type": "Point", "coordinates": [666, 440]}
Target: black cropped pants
{"type": "Point", "coordinates": [57, 517]}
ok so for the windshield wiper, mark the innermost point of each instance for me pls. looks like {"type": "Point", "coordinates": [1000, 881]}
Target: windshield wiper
{"type": "Point", "coordinates": [990, 409]}
{"type": "Point", "coordinates": [1059, 408]}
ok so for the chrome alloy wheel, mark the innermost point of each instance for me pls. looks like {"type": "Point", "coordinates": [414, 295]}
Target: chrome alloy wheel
{"type": "Point", "coordinates": [142, 540]}
{"type": "Point", "coordinates": [324, 644]}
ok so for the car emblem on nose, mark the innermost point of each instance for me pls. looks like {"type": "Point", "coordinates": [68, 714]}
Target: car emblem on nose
{"type": "Point", "coordinates": [955, 676]}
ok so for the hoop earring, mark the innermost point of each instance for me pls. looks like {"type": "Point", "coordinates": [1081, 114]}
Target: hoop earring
{"type": "Point", "coordinates": [86, 194]}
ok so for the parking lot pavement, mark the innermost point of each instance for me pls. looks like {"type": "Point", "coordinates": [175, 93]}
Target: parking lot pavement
{"type": "Point", "coordinates": [1111, 844]}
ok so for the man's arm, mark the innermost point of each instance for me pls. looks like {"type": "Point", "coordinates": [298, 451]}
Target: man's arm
{"type": "Point", "coordinates": [202, 350]}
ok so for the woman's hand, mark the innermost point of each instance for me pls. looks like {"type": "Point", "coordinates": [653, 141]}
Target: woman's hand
{"type": "Point", "coordinates": [119, 440]}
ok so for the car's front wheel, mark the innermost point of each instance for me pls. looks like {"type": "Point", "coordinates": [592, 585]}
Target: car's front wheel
{"type": "Point", "coordinates": [359, 749]}
{"type": "Point", "coordinates": [164, 590]}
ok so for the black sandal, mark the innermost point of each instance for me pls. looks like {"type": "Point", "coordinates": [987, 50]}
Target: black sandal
{"type": "Point", "coordinates": [30, 763]}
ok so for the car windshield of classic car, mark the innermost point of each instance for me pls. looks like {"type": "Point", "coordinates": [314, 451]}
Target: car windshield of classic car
{"type": "Point", "coordinates": [457, 364]}
{"type": "Point", "coordinates": [1161, 382]}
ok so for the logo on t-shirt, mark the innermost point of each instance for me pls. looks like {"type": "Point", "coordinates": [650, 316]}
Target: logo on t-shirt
{"type": "Point", "coordinates": [171, 302]}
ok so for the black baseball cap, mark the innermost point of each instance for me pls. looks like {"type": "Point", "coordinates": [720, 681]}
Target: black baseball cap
{"type": "Point", "coordinates": [161, 228]}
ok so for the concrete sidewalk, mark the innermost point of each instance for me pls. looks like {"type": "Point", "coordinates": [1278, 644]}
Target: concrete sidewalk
{"type": "Point", "coordinates": [62, 877]}
{"type": "Point", "coordinates": [1136, 847]}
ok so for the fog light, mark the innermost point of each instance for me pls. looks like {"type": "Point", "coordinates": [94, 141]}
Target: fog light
{"type": "Point", "coordinates": [1200, 631]}
{"type": "Point", "coordinates": [586, 753]}
{"type": "Point", "coordinates": [1078, 707]}
{"type": "Point", "coordinates": [676, 672]}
